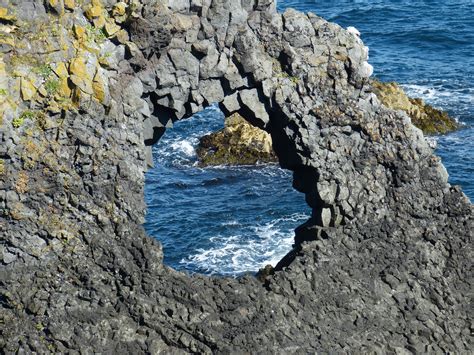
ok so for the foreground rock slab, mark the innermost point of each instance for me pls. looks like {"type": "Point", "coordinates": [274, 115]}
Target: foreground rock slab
{"type": "Point", "coordinates": [383, 265]}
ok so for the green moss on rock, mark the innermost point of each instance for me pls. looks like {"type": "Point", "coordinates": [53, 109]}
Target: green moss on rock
{"type": "Point", "coordinates": [238, 143]}
{"type": "Point", "coordinates": [427, 118]}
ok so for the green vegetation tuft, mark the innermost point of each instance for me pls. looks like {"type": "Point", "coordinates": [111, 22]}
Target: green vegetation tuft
{"type": "Point", "coordinates": [95, 34]}
{"type": "Point", "coordinates": [3, 92]}
{"type": "Point", "coordinates": [52, 86]}
{"type": "Point", "coordinates": [19, 121]}
{"type": "Point", "coordinates": [43, 70]}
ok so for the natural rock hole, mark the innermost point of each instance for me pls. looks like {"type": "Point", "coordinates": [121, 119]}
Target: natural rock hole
{"type": "Point", "coordinates": [224, 220]}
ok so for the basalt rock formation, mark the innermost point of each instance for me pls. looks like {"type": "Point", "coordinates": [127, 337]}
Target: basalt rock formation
{"type": "Point", "coordinates": [427, 118]}
{"type": "Point", "coordinates": [238, 143]}
{"type": "Point", "coordinates": [383, 265]}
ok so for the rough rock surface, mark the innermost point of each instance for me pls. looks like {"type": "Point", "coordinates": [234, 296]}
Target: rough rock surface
{"type": "Point", "coordinates": [384, 264]}
{"type": "Point", "coordinates": [427, 118]}
{"type": "Point", "coordinates": [238, 143]}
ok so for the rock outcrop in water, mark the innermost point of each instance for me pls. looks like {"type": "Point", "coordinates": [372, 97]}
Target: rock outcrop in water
{"type": "Point", "coordinates": [238, 143]}
{"type": "Point", "coordinates": [427, 118]}
{"type": "Point", "coordinates": [383, 265]}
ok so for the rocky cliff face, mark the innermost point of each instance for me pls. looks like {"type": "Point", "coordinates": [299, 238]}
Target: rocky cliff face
{"type": "Point", "coordinates": [240, 143]}
{"type": "Point", "coordinates": [384, 264]}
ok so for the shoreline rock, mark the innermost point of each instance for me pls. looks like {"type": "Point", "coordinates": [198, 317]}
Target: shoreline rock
{"type": "Point", "coordinates": [424, 116]}
{"type": "Point", "coordinates": [238, 143]}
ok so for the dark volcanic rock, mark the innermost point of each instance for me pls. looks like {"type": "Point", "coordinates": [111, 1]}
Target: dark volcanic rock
{"type": "Point", "coordinates": [384, 264]}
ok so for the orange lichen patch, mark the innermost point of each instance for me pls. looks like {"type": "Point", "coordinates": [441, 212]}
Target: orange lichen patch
{"type": "Point", "coordinates": [79, 75]}
{"type": "Point", "coordinates": [21, 185]}
{"type": "Point", "coordinates": [32, 153]}
{"type": "Point", "coordinates": [18, 211]}
{"type": "Point", "coordinates": [64, 89]}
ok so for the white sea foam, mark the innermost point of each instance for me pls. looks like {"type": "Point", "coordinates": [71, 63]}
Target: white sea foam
{"type": "Point", "coordinates": [183, 146]}
{"type": "Point", "coordinates": [439, 94]}
{"type": "Point", "coordinates": [237, 254]}
{"type": "Point", "coordinates": [354, 31]}
{"type": "Point", "coordinates": [230, 223]}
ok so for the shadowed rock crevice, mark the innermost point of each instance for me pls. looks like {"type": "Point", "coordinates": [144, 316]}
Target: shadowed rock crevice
{"type": "Point", "coordinates": [384, 264]}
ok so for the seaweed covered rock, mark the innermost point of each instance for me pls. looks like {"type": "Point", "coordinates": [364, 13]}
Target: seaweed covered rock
{"type": "Point", "coordinates": [427, 118]}
{"type": "Point", "coordinates": [238, 143]}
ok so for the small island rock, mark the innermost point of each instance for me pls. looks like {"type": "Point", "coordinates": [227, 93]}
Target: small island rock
{"type": "Point", "coordinates": [238, 143]}
{"type": "Point", "coordinates": [427, 118]}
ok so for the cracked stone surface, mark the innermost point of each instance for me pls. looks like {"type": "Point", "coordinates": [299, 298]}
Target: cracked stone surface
{"type": "Point", "coordinates": [384, 264]}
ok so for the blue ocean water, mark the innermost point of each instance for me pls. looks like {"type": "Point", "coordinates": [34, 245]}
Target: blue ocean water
{"type": "Point", "coordinates": [232, 220]}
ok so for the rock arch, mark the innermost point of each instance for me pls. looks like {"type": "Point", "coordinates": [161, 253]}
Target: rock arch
{"type": "Point", "coordinates": [284, 73]}
{"type": "Point", "coordinates": [383, 265]}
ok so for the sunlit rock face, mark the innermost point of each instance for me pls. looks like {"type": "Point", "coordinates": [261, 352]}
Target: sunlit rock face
{"type": "Point", "coordinates": [238, 143]}
{"type": "Point", "coordinates": [427, 118]}
{"type": "Point", "coordinates": [87, 87]}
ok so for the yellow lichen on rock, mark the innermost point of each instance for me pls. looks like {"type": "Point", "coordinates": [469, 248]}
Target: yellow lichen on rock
{"type": "Point", "coordinates": [4, 15]}
{"type": "Point", "coordinates": [99, 22]}
{"type": "Point", "coordinates": [64, 89]}
{"type": "Point", "coordinates": [8, 40]}
{"type": "Point", "coordinates": [28, 90]}
{"type": "Point", "coordinates": [111, 28]}
{"type": "Point", "coordinates": [98, 87]}
{"type": "Point", "coordinates": [69, 4]}
{"type": "Point", "coordinates": [237, 143]}
{"type": "Point", "coordinates": [119, 12]}
{"type": "Point", "coordinates": [119, 9]}
{"type": "Point", "coordinates": [79, 75]}
{"type": "Point", "coordinates": [427, 118]}
{"type": "Point", "coordinates": [94, 11]}
{"type": "Point", "coordinates": [60, 69]}
{"type": "Point", "coordinates": [80, 33]}
{"type": "Point", "coordinates": [78, 67]}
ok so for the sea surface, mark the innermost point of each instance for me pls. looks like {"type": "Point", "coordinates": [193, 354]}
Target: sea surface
{"type": "Point", "coordinates": [233, 220]}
